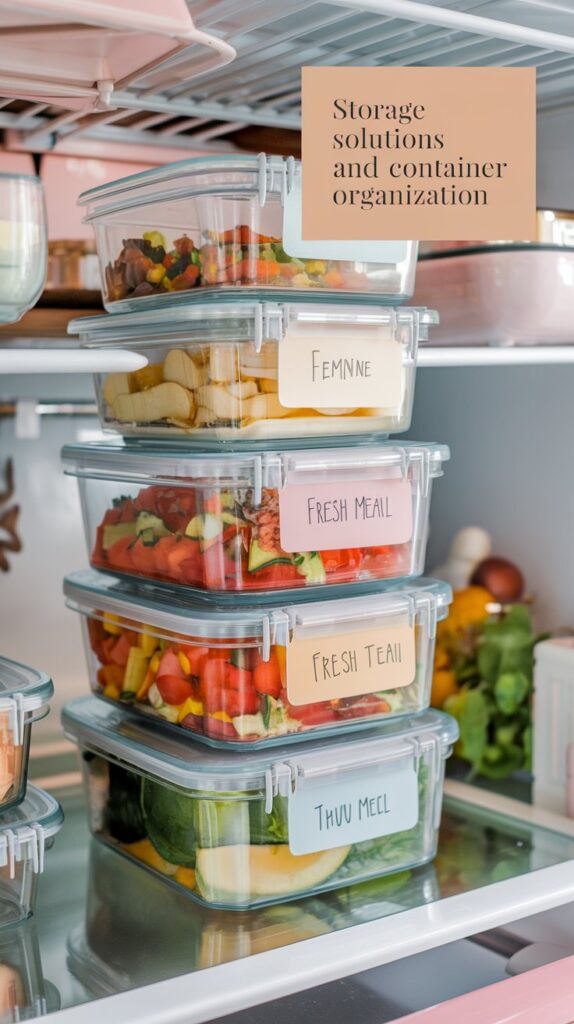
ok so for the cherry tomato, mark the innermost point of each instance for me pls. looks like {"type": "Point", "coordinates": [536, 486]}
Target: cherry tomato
{"type": "Point", "coordinates": [267, 678]}
{"type": "Point", "coordinates": [314, 714]}
{"type": "Point", "coordinates": [238, 678]}
{"type": "Point", "coordinates": [197, 657]}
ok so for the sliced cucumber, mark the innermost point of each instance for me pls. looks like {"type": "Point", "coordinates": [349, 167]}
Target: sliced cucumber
{"type": "Point", "coordinates": [260, 559]}
{"type": "Point", "coordinates": [117, 532]}
{"type": "Point", "coordinates": [146, 522]}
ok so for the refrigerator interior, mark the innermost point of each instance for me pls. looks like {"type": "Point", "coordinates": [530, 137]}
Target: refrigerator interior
{"type": "Point", "coordinates": [510, 431]}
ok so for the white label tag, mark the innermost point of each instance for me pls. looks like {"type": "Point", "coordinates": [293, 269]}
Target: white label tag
{"type": "Point", "coordinates": [340, 366]}
{"type": "Point", "coordinates": [353, 251]}
{"type": "Point", "coordinates": [353, 808]}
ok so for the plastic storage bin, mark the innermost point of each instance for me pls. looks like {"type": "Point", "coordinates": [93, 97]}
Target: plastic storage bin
{"type": "Point", "coordinates": [258, 370]}
{"type": "Point", "coordinates": [26, 832]}
{"type": "Point", "coordinates": [226, 222]}
{"type": "Point", "coordinates": [254, 676]}
{"type": "Point", "coordinates": [501, 295]}
{"type": "Point", "coordinates": [250, 522]}
{"type": "Point", "coordinates": [241, 830]}
{"type": "Point", "coordinates": [24, 698]}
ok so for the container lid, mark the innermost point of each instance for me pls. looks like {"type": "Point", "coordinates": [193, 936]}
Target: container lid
{"type": "Point", "coordinates": [102, 729]}
{"type": "Point", "coordinates": [269, 319]}
{"type": "Point", "coordinates": [24, 829]}
{"type": "Point", "coordinates": [423, 600]}
{"type": "Point", "coordinates": [185, 177]}
{"type": "Point", "coordinates": [140, 461]}
{"type": "Point", "coordinates": [25, 694]}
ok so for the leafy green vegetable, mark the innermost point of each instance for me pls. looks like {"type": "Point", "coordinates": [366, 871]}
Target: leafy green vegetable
{"type": "Point", "coordinates": [494, 665]}
{"type": "Point", "coordinates": [510, 689]}
{"type": "Point", "coordinates": [171, 822]}
{"type": "Point", "coordinates": [268, 828]}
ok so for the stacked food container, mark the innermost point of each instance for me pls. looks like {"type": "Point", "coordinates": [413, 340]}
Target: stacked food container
{"type": "Point", "coordinates": [255, 626]}
{"type": "Point", "coordinates": [29, 817]}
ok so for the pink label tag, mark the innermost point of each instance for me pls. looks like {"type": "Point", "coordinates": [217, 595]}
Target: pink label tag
{"type": "Point", "coordinates": [347, 514]}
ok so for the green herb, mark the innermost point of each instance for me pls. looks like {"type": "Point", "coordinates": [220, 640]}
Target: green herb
{"type": "Point", "coordinates": [494, 666]}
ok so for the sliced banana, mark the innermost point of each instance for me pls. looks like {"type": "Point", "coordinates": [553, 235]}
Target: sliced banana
{"type": "Point", "coordinates": [165, 401]}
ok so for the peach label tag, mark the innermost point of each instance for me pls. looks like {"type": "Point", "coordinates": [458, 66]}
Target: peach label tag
{"type": "Point", "coordinates": [348, 664]}
{"type": "Point", "coordinates": [340, 366]}
{"type": "Point", "coordinates": [345, 514]}
{"type": "Point", "coordinates": [431, 153]}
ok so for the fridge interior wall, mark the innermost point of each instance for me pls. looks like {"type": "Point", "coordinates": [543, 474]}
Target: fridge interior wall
{"type": "Point", "coordinates": [510, 430]}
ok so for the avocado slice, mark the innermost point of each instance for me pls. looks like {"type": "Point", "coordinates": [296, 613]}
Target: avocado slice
{"type": "Point", "coordinates": [206, 529]}
{"type": "Point", "coordinates": [310, 565]}
{"type": "Point", "coordinates": [260, 559]}
{"type": "Point", "coordinates": [117, 532]}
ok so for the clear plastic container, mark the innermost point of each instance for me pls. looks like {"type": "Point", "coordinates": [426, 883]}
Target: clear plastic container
{"type": "Point", "coordinates": [26, 832]}
{"type": "Point", "coordinates": [252, 522]}
{"type": "Point", "coordinates": [24, 994]}
{"type": "Point", "coordinates": [233, 677]}
{"type": "Point", "coordinates": [24, 698]}
{"type": "Point", "coordinates": [240, 830]}
{"type": "Point", "coordinates": [226, 222]}
{"type": "Point", "coordinates": [260, 371]}
{"type": "Point", "coordinates": [23, 244]}
{"type": "Point", "coordinates": [506, 294]}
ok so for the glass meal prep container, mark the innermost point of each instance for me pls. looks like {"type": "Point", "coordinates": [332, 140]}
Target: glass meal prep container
{"type": "Point", "coordinates": [226, 222]}
{"type": "Point", "coordinates": [252, 522]}
{"type": "Point", "coordinates": [27, 831]}
{"type": "Point", "coordinates": [260, 675]}
{"type": "Point", "coordinates": [241, 830]}
{"type": "Point", "coordinates": [260, 370]}
{"type": "Point", "coordinates": [25, 697]}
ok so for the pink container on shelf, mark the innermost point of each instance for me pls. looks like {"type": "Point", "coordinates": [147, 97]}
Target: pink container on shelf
{"type": "Point", "coordinates": [505, 295]}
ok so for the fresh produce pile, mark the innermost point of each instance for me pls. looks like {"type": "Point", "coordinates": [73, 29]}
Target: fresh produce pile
{"type": "Point", "coordinates": [483, 676]}
{"type": "Point", "coordinates": [225, 693]}
{"type": "Point", "coordinates": [239, 256]}
{"type": "Point", "coordinates": [222, 541]}
{"type": "Point", "coordinates": [226, 849]}
{"type": "Point", "coordinates": [222, 387]}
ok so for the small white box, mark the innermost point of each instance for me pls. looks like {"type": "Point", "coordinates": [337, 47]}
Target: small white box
{"type": "Point", "coordinates": [553, 722]}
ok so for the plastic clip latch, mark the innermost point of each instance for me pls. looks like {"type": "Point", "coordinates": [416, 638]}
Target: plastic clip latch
{"type": "Point", "coordinates": [266, 645]}
{"type": "Point", "coordinates": [262, 164]}
{"type": "Point", "coordinates": [258, 327]}
{"type": "Point", "coordinates": [412, 609]}
{"type": "Point", "coordinates": [425, 473]}
{"type": "Point", "coordinates": [257, 481]}
{"type": "Point", "coordinates": [291, 171]}
{"type": "Point", "coordinates": [416, 752]}
{"type": "Point", "coordinates": [269, 790]}
{"type": "Point", "coordinates": [16, 719]}
{"type": "Point", "coordinates": [39, 849]}
{"type": "Point", "coordinates": [432, 618]}
{"type": "Point", "coordinates": [11, 844]}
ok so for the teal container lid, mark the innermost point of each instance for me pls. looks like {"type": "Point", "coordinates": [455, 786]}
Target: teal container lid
{"type": "Point", "coordinates": [93, 593]}
{"type": "Point", "coordinates": [32, 688]}
{"type": "Point", "coordinates": [100, 728]}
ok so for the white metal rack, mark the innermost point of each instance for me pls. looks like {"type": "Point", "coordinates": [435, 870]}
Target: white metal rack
{"type": "Point", "coordinates": [274, 38]}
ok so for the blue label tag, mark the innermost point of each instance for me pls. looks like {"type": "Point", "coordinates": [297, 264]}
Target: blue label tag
{"type": "Point", "coordinates": [352, 808]}
{"type": "Point", "coordinates": [353, 251]}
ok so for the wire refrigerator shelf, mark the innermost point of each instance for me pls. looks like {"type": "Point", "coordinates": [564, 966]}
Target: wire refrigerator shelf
{"type": "Point", "coordinates": [274, 38]}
